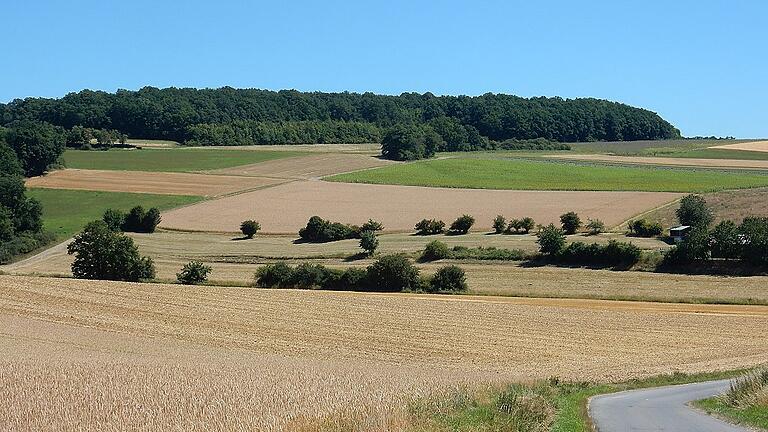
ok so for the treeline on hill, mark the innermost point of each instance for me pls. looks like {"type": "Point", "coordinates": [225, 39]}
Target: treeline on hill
{"type": "Point", "coordinates": [251, 116]}
{"type": "Point", "coordinates": [21, 227]}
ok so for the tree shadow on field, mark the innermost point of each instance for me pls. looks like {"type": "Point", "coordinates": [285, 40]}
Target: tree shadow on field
{"type": "Point", "coordinates": [241, 238]}
{"type": "Point", "coordinates": [356, 257]}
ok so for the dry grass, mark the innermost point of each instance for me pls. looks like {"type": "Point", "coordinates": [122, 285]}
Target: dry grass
{"type": "Point", "coordinates": [761, 146]}
{"type": "Point", "coordinates": [91, 355]}
{"type": "Point", "coordinates": [307, 167]}
{"type": "Point", "coordinates": [400, 207]}
{"type": "Point", "coordinates": [149, 182]}
{"type": "Point", "coordinates": [726, 205]}
{"type": "Point", "coordinates": [687, 162]}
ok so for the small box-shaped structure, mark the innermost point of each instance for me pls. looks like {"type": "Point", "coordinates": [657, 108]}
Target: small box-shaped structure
{"type": "Point", "coordinates": [679, 233]}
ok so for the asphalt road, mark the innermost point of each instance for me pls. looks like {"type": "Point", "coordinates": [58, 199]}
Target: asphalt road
{"type": "Point", "coordinates": [659, 409]}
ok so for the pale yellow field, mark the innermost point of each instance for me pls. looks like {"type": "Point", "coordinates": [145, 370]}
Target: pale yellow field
{"type": "Point", "coordinates": [286, 208]}
{"type": "Point", "coordinates": [149, 182]}
{"type": "Point", "coordinates": [688, 162]}
{"type": "Point", "coordinates": [94, 355]}
{"type": "Point", "coordinates": [761, 146]}
{"type": "Point", "coordinates": [312, 166]}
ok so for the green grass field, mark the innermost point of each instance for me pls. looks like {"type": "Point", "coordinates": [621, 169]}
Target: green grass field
{"type": "Point", "coordinates": [543, 175]}
{"type": "Point", "coordinates": [65, 212]}
{"type": "Point", "coordinates": [169, 160]}
{"type": "Point", "coordinates": [720, 154]}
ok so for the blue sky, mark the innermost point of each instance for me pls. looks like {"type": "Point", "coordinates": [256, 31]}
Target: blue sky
{"type": "Point", "coordinates": [703, 65]}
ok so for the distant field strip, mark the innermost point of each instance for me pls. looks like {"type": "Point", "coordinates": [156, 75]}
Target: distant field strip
{"type": "Point", "coordinates": [286, 208]}
{"type": "Point", "coordinates": [758, 146]}
{"type": "Point", "coordinates": [540, 175]}
{"type": "Point", "coordinates": [148, 182]}
{"type": "Point", "coordinates": [673, 160]}
{"type": "Point", "coordinates": [311, 166]}
{"type": "Point", "coordinates": [169, 160]}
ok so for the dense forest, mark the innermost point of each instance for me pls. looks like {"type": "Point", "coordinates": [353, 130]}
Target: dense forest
{"type": "Point", "coordinates": [228, 116]}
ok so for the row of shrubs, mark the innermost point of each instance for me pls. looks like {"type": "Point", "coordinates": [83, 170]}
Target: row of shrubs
{"type": "Point", "coordinates": [437, 250]}
{"type": "Point", "coordinates": [747, 242]}
{"type": "Point", "coordinates": [390, 273]}
{"type": "Point", "coordinates": [319, 230]}
{"type": "Point", "coordinates": [136, 220]}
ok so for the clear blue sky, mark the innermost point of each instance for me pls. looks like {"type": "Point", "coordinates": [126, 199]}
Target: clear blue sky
{"type": "Point", "coordinates": [703, 65]}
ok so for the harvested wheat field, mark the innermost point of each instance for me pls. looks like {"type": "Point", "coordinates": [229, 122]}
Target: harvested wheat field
{"type": "Point", "coordinates": [761, 146]}
{"type": "Point", "coordinates": [400, 207]}
{"type": "Point", "coordinates": [687, 162]}
{"type": "Point", "coordinates": [148, 182]}
{"type": "Point", "coordinates": [307, 167]}
{"type": "Point", "coordinates": [372, 149]}
{"type": "Point", "coordinates": [96, 355]}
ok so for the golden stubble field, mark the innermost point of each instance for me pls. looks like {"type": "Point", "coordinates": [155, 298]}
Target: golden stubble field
{"type": "Point", "coordinates": [286, 208]}
{"type": "Point", "coordinates": [94, 355]}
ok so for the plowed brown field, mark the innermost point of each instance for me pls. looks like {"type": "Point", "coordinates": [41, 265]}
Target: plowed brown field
{"type": "Point", "coordinates": [306, 167]}
{"type": "Point", "coordinates": [149, 182]}
{"type": "Point", "coordinates": [108, 355]}
{"type": "Point", "coordinates": [286, 208]}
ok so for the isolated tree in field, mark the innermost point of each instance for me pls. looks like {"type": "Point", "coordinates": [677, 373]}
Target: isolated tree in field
{"type": "Point", "coordinates": [571, 222]}
{"type": "Point", "coordinates": [103, 254]}
{"type": "Point", "coordinates": [694, 211]}
{"type": "Point", "coordinates": [430, 227]}
{"type": "Point", "coordinates": [369, 242]}
{"type": "Point", "coordinates": [435, 250]}
{"type": "Point", "coordinates": [499, 224]}
{"type": "Point", "coordinates": [526, 224]}
{"type": "Point", "coordinates": [725, 240]}
{"type": "Point", "coordinates": [645, 228]}
{"type": "Point", "coordinates": [462, 224]}
{"type": "Point", "coordinates": [249, 228]}
{"type": "Point", "coordinates": [372, 225]}
{"type": "Point", "coordinates": [595, 226]}
{"type": "Point", "coordinates": [393, 273]}
{"type": "Point", "coordinates": [410, 142]}
{"type": "Point", "coordinates": [450, 278]}
{"type": "Point", "coordinates": [551, 239]}
{"type": "Point", "coordinates": [193, 273]}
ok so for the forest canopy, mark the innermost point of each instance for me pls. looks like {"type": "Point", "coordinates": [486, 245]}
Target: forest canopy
{"type": "Point", "coordinates": [228, 116]}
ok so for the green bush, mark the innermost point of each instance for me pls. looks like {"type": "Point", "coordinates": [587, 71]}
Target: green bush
{"type": "Point", "coordinates": [695, 247]}
{"type": "Point", "coordinates": [645, 228]}
{"type": "Point", "coordinates": [430, 227]}
{"type": "Point", "coordinates": [319, 230]}
{"type": "Point", "coordinates": [193, 273]}
{"type": "Point", "coordinates": [694, 211]}
{"type": "Point", "coordinates": [551, 239]}
{"type": "Point", "coordinates": [115, 219]}
{"type": "Point", "coordinates": [435, 250]}
{"type": "Point", "coordinates": [525, 225]}
{"type": "Point", "coordinates": [754, 232]}
{"type": "Point", "coordinates": [410, 142]}
{"type": "Point", "coordinates": [103, 254]}
{"type": "Point", "coordinates": [392, 273]}
{"type": "Point", "coordinates": [249, 228]}
{"type": "Point", "coordinates": [613, 254]}
{"type": "Point", "coordinates": [307, 275]}
{"type": "Point", "coordinates": [274, 275]}
{"type": "Point", "coordinates": [725, 240]}
{"type": "Point", "coordinates": [595, 226]}
{"type": "Point", "coordinates": [372, 225]}
{"type": "Point", "coordinates": [369, 242]}
{"type": "Point", "coordinates": [571, 222]}
{"type": "Point", "coordinates": [349, 279]}
{"type": "Point", "coordinates": [499, 224]}
{"type": "Point", "coordinates": [487, 253]}
{"type": "Point", "coordinates": [462, 224]}
{"type": "Point", "coordinates": [450, 278]}
{"type": "Point", "coordinates": [140, 221]}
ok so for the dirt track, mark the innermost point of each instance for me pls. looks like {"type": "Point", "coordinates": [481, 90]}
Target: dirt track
{"type": "Point", "coordinates": [149, 182]}
{"type": "Point", "coordinates": [688, 162]}
{"type": "Point", "coordinates": [286, 208]}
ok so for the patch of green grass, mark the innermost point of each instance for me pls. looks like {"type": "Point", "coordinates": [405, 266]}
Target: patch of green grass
{"type": "Point", "coordinates": [549, 175]}
{"type": "Point", "coordinates": [169, 160]}
{"type": "Point", "coordinates": [756, 416]}
{"type": "Point", "coordinates": [65, 212]}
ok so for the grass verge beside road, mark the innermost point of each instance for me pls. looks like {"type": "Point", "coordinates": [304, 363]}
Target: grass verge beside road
{"type": "Point", "coordinates": [65, 211]}
{"type": "Point", "coordinates": [169, 160]}
{"type": "Point", "coordinates": [547, 175]}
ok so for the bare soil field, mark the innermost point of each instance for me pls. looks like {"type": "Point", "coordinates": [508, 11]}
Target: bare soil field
{"type": "Point", "coordinates": [149, 182]}
{"type": "Point", "coordinates": [307, 167]}
{"type": "Point", "coordinates": [96, 355]}
{"type": "Point", "coordinates": [732, 205]}
{"type": "Point", "coordinates": [687, 162]}
{"type": "Point", "coordinates": [400, 207]}
{"type": "Point", "coordinates": [761, 146]}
